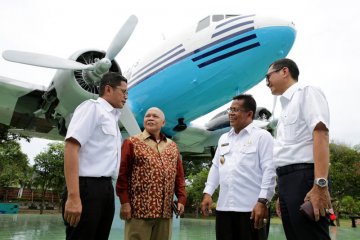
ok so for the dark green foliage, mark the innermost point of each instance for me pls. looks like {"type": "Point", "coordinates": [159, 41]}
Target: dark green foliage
{"type": "Point", "coordinates": [344, 171]}
{"type": "Point", "coordinates": [49, 170]}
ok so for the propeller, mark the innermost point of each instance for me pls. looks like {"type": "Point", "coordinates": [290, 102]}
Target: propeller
{"type": "Point", "coordinates": [42, 60]}
{"type": "Point", "coordinates": [128, 121]}
{"type": "Point", "coordinates": [99, 68]}
{"type": "Point", "coordinates": [274, 105]}
{"type": "Point", "coordinates": [273, 121]}
{"type": "Point", "coordinates": [94, 70]}
{"type": "Point", "coordinates": [121, 37]}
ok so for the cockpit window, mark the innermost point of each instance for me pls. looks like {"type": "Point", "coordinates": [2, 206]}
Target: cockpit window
{"type": "Point", "coordinates": [231, 15]}
{"type": "Point", "coordinates": [203, 24]}
{"type": "Point", "coordinates": [216, 18]}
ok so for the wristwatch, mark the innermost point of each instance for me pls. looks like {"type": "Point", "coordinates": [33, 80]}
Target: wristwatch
{"type": "Point", "coordinates": [264, 201]}
{"type": "Point", "coordinates": [321, 182]}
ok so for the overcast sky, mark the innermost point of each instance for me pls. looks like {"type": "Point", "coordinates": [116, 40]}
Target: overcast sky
{"type": "Point", "coordinates": [326, 49]}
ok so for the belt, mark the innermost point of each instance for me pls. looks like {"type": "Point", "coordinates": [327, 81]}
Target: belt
{"type": "Point", "coordinates": [95, 178]}
{"type": "Point", "coordinates": [280, 171]}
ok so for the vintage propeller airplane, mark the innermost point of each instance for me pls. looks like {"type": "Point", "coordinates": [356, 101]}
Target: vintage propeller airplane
{"type": "Point", "coordinates": [187, 77]}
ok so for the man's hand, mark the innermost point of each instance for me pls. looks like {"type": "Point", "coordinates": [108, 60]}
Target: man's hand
{"type": "Point", "coordinates": [206, 204]}
{"type": "Point", "coordinates": [180, 208]}
{"type": "Point", "coordinates": [125, 211]}
{"type": "Point", "coordinates": [260, 215]}
{"type": "Point", "coordinates": [73, 209]}
{"type": "Point", "coordinates": [320, 199]}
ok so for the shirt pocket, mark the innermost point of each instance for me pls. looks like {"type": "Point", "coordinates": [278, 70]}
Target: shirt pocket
{"type": "Point", "coordinates": [290, 121]}
{"type": "Point", "coordinates": [248, 155]}
{"type": "Point", "coordinates": [224, 150]}
{"type": "Point", "coordinates": [108, 130]}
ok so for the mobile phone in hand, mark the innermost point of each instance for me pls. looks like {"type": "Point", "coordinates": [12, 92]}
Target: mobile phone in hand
{"type": "Point", "coordinates": [175, 209]}
{"type": "Point", "coordinates": [307, 209]}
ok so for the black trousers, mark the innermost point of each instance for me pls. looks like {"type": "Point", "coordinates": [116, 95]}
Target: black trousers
{"type": "Point", "coordinates": [237, 226]}
{"type": "Point", "coordinates": [293, 187]}
{"type": "Point", "coordinates": [98, 206]}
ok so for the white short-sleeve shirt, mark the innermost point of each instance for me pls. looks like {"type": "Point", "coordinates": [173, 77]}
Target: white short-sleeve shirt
{"type": "Point", "coordinates": [302, 109]}
{"type": "Point", "coordinates": [95, 126]}
{"type": "Point", "coordinates": [243, 167]}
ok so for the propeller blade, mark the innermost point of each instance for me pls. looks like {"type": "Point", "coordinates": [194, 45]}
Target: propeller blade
{"type": "Point", "coordinates": [121, 37]}
{"type": "Point", "coordinates": [273, 110]}
{"type": "Point", "coordinates": [128, 120]}
{"type": "Point", "coordinates": [42, 60]}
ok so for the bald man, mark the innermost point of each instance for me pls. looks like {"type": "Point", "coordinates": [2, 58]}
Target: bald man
{"type": "Point", "coordinates": [150, 173]}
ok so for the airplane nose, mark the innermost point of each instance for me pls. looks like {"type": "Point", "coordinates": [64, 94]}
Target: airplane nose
{"type": "Point", "coordinates": [265, 21]}
{"type": "Point", "coordinates": [275, 35]}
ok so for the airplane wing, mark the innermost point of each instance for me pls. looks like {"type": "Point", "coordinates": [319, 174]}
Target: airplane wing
{"type": "Point", "coordinates": [197, 141]}
{"type": "Point", "coordinates": [18, 103]}
{"type": "Point", "coordinates": [200, 141]}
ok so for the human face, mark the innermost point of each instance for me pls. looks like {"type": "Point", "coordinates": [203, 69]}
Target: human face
{"type": "Point", "coordinates": [239, 117]}
{"type": "Point", "coordinates": [154, 121]}
{"type": "Point", "coordinates": [118, 95]}
{"type": "Point", "coordinates": [273, 80]}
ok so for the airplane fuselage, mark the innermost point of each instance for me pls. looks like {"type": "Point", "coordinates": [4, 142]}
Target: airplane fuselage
{"type": "Point", "coordinates": [196, 72]}
{"type": "Point", "coordinates": [202, 70]}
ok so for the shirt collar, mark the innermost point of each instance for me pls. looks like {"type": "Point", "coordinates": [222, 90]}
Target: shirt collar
{"type": "Point", "coordinates": [145, 135]}
{"type": "Point", "coordinates": [289, 93]}
{"type": "Point", "coordinates": [248, 129]}
{"type": "Point", "coordinates": [107, 106]}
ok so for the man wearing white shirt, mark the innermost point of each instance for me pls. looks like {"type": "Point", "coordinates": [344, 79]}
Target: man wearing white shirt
{"type": "Point", "coordinates": [92, 159]}
{"type": "Point", "coordinates": [301, 152]}
{"type": "Point", "coordinates": [243, 167]}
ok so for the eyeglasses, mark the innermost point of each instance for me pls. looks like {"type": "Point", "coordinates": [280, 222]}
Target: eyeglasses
{"type": "Point", "coordinates": [124, 91]}
{"type": "Point", "coordinates": [267, 76]}
{"type": "Point", "coordinates": [235, 110]}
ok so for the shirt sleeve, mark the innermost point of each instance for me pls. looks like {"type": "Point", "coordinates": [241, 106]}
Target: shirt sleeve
{"type": "Point", "coordinates": [83, 122]}
{"type": "Point", "coordinates": [213, 178]}
{"type": "Point", "coordinates": [122, 183]}
{"type": "Point", "coordinates": [315, 108]}
{"type": "Point", "coordinates": [267, 166]}
{"type": "Point", "coordinates": [180, 183]}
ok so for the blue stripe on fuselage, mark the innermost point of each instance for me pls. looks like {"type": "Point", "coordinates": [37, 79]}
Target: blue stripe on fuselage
{"type": "Point", "coordinates": [233, 19]}
{"type": "Point", "coordinates": [161, 62]}
{"type": "Point", "coordinates": [232, 28]}
{"type": "Point", "coordinates": [229, 54]}
{"type": "Point", "coordinates": [168, 52]}
{"type": "Point", "coordinates": [217, 42]}
{"type": "Point", "coordinates": [185, 91]}
{"type": "Point", "coordinates": [224, 47]}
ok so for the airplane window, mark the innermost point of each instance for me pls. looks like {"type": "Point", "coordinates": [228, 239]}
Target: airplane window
{"type": "Point", "coordinates": [203, 24]}
{"type": "Point", "coordinates": [230, 16]}
{"type": "Point", "coordinates": [216, 18]}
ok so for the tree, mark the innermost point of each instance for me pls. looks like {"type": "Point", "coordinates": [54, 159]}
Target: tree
{"type": "Point", "coordinates": [357, 147]}
{"type": "Point", "coordinates": [49, 170]}
{"type": "Point", "coordinates": [29, 182]}
{"type": "Point", "coordinates": [13, 165]}
{"type": "Point", "coordinates": [195, 189]}
{"type": "Point", "coordinates": [349, 205]}
{"type": "Point", "coordinates": [344, 171]}
{"type": "Point", "coordinates": [194, 165]}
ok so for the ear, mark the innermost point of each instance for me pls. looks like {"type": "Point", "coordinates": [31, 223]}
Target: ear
{"type": "Point", "coordinates": [250, 114]}
{"type": "Point", "coordinates": [108, 89]}
{"type": "Point", "coordinates": [286, 71]}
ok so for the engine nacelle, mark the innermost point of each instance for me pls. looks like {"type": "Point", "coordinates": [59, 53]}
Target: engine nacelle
{"type": "Point", "coordinates": [72, 87]}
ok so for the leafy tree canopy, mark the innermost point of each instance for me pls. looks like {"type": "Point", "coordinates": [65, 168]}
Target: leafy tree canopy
{"type": "Point", "coordinates": [344, 171]}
